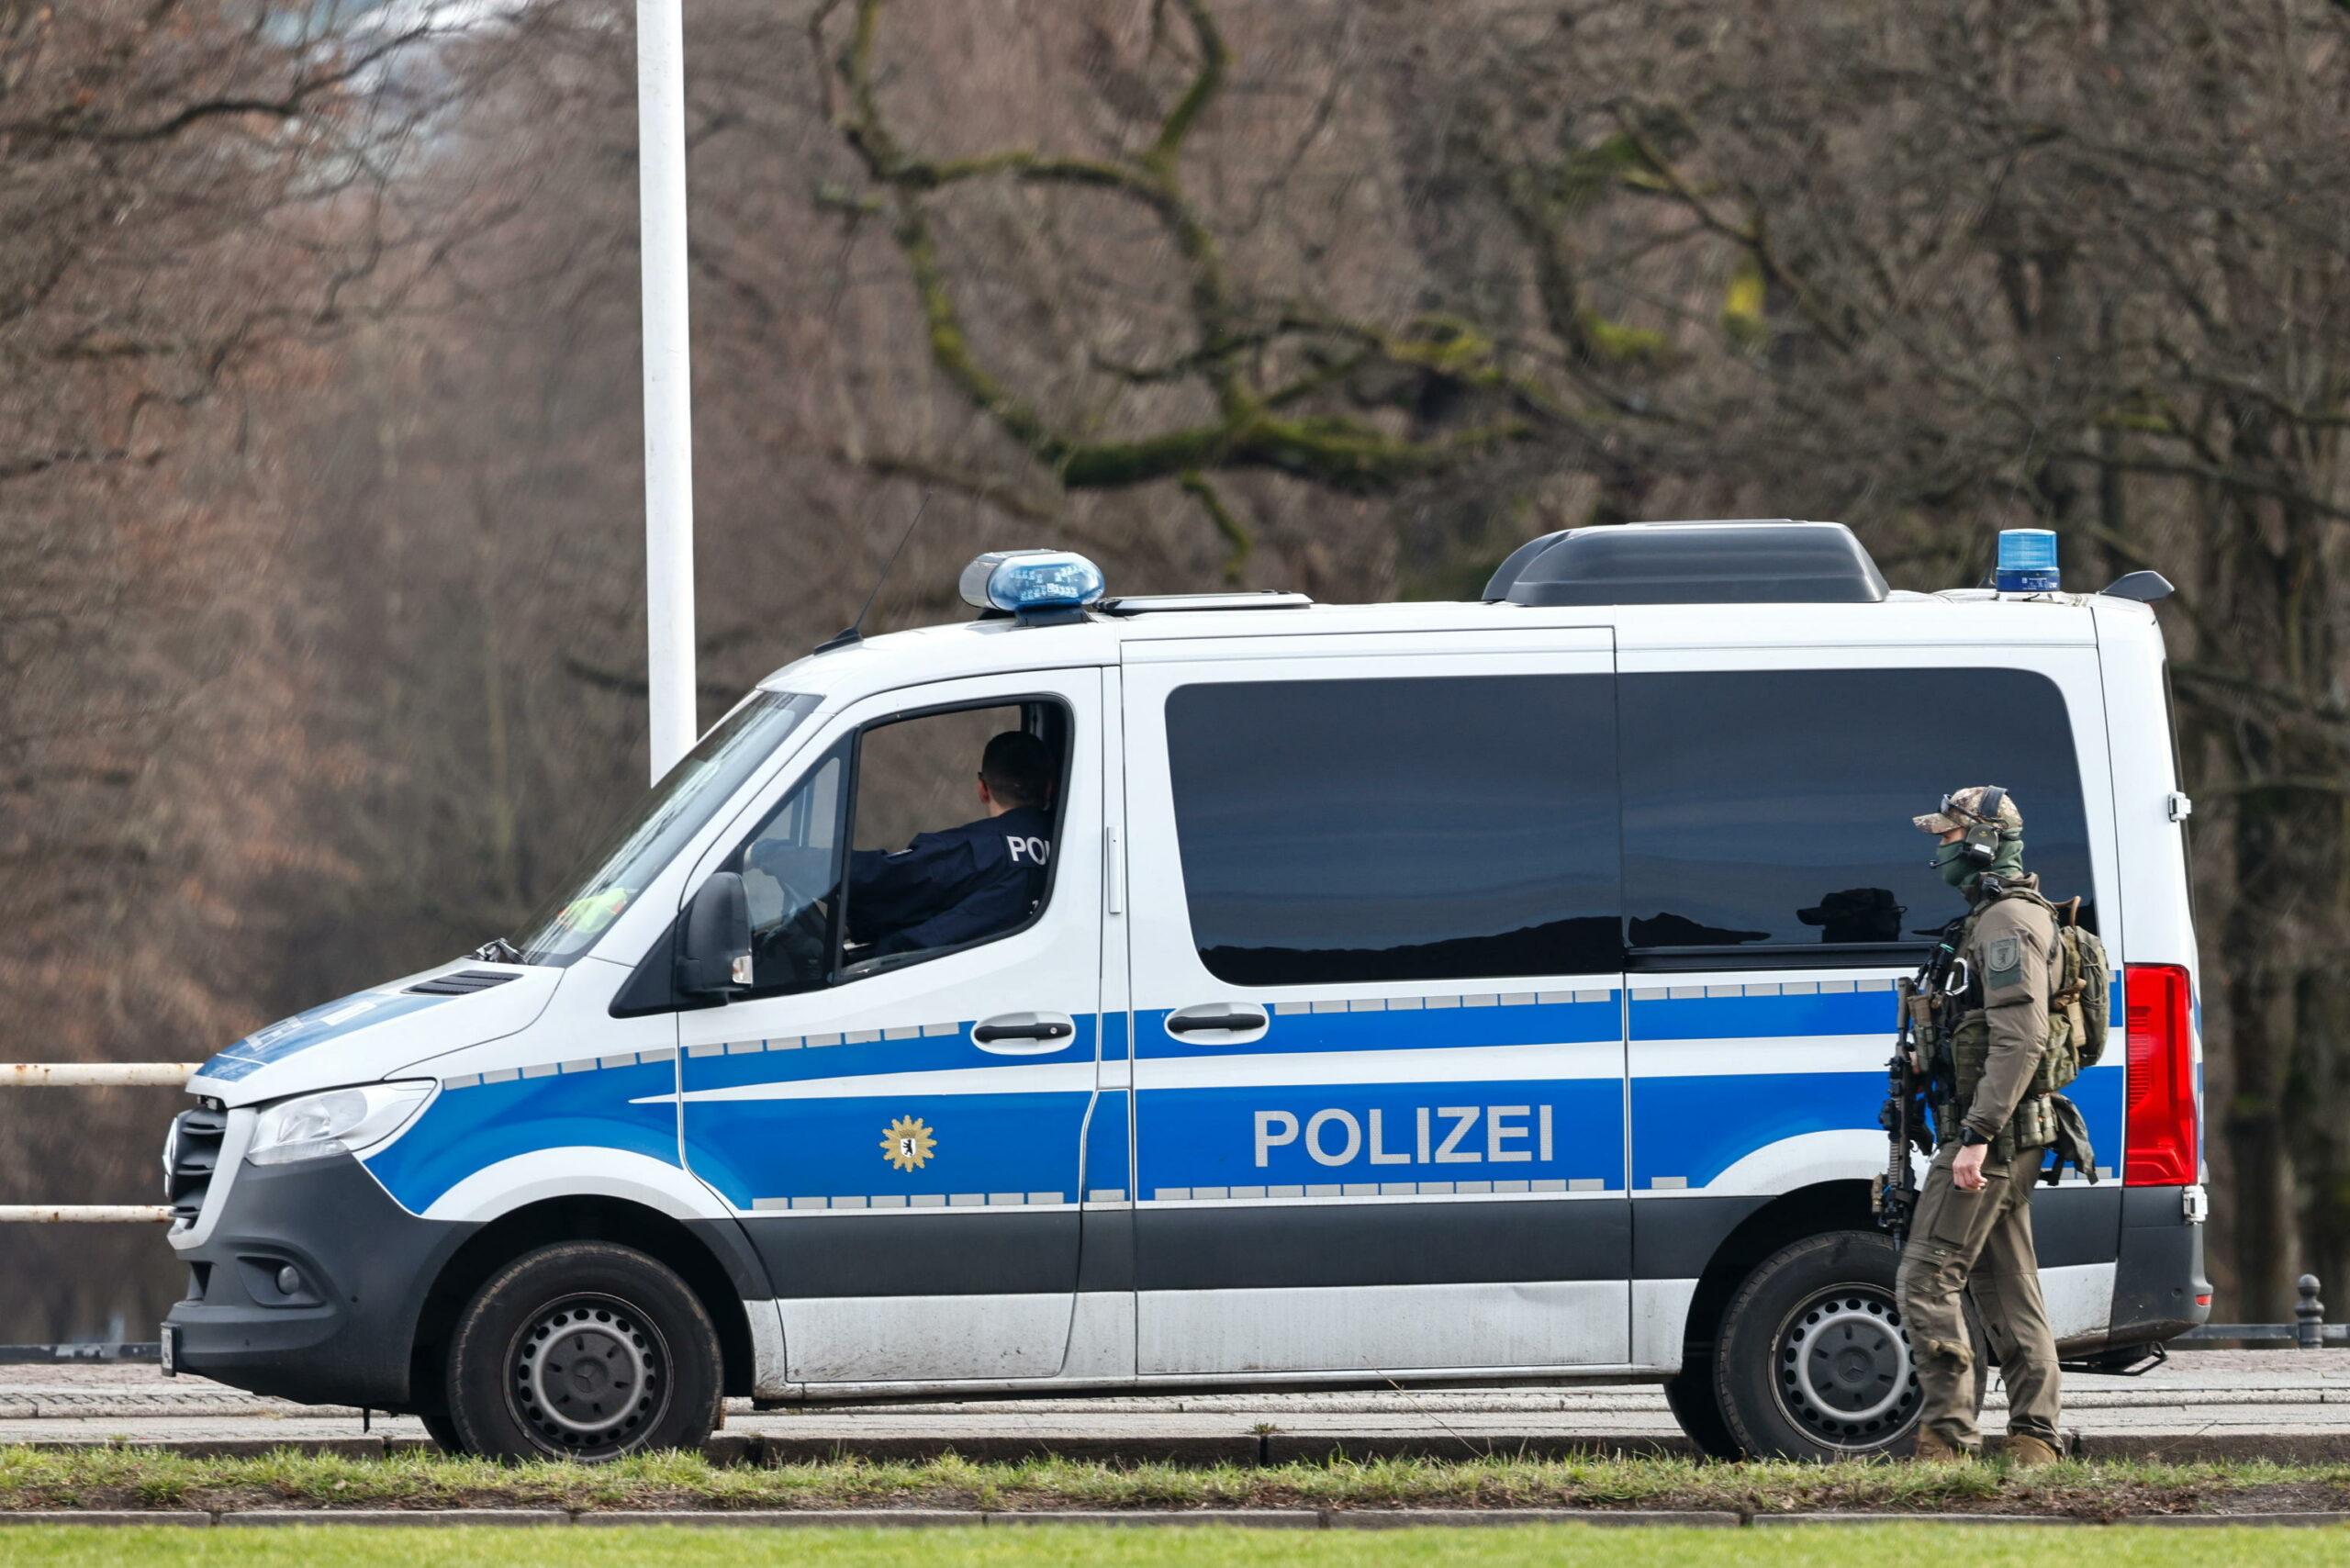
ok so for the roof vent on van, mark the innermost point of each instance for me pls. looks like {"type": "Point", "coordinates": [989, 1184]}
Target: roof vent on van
{"type": "Point", "coordinates": [1746, 562]}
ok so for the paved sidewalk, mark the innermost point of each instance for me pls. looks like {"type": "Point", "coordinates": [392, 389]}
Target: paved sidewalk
{"type": "Point", "coordinates": [2222, 1404]}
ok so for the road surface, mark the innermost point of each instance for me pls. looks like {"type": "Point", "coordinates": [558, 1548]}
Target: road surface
{"type": "Point", "coordinates": [2219, 1403]}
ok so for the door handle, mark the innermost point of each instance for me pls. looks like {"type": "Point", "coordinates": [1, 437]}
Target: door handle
{"type": "Point", "coordinates": [1024, 1033]}
{"type": "Point", "coordinates": [1228, 1021]}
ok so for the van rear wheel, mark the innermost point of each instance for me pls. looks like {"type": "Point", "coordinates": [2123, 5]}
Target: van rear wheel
{"type": "Point", "coordinates": [1813, 1361]}
{"type": "Point", "coordinates": [583, 1351]}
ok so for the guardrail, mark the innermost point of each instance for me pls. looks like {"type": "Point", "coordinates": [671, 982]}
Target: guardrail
{"type": "Point", "coordinates": [91, 1075]}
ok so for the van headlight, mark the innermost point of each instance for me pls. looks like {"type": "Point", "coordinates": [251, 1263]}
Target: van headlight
{"type": "Point", "coordinates": [341, 1121]}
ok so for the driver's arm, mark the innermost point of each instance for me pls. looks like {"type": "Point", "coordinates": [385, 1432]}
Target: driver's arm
{"type": "Point", "coordinates": [795, 866]}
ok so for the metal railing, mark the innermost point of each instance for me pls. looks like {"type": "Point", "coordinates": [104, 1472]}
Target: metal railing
{"type": "Point", "coordinates": [92, 1075]}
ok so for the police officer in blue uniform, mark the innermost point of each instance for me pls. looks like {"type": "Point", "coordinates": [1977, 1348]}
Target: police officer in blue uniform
{"type": "Point", "coordinates": [967, 882]}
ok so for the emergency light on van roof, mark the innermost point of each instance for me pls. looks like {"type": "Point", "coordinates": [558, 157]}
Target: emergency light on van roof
{"type": "Point", "coordinates": [2027, 561]}
{"type": "Point", "coordinates": [1035, 585]}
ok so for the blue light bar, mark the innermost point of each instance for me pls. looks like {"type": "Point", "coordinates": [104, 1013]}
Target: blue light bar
{"type": "Point", "coordinates": [1032, 584]}
{"type": "Point", "coordinates": [2027, 561]}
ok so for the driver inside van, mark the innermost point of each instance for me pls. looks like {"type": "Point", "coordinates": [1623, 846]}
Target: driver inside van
{"type": "Point", "coordinates": [963, 883]}
{"type": "Point", "coordinates": [966, 882]}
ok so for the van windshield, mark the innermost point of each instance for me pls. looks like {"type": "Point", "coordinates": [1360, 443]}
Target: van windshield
{"type": "Point", "coordinates": [625, 863]}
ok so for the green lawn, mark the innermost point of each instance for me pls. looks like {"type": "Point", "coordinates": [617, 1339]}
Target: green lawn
{"type": "Point", "coordinates": [134, 1478]}
{"type": "Point", "coordinates": [1103, 1547]}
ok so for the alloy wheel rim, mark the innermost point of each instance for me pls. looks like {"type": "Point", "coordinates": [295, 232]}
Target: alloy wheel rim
{"type": "Point", "coordinates": [588, 1375]}
{"type": "Point", "coordinates": [1844, 1372]}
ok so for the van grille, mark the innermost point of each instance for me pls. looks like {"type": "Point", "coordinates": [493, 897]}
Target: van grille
{"type": "Point", "coordinates": [465, 982]}
{"type": "Point", "coordinates": [190, 1158]}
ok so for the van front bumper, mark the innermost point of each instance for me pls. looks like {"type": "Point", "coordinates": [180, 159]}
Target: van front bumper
{"type": "Point", "coordinates": [362, 1266]}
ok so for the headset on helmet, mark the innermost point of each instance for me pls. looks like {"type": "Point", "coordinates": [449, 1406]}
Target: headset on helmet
{"type": "Point", "coordinates": [1980, 844]}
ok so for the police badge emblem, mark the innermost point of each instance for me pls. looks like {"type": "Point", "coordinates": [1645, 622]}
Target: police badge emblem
{"type": "Point", "coordinates": [908, 1143]}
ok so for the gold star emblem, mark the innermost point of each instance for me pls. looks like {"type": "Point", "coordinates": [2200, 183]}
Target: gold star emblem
{"type": "Point", "coordinates": [908, 1144]}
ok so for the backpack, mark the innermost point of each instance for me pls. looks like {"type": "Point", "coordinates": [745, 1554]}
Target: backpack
{"type": "Point", "coordinates": [2083, 996]}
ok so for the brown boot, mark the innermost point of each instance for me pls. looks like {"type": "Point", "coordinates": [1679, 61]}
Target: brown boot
{"type": "Point", "coordinates": [2028, 1452]}
{"type": "Point", "coordinates": [1935, 1449]}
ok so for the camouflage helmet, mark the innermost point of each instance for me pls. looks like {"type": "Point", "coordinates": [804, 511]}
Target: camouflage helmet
{"type": "Point", "coordinates": [1962, 808]}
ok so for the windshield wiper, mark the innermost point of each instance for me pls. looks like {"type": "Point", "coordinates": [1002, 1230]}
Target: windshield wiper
{"type": "Point", "coordinates": [498, 950]}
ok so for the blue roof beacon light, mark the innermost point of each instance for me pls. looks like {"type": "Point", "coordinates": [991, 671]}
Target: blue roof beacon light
{"type": "Point", "coordinates": [1038, 587]}
{"type": "Point", "coordinates": [2028, 561]}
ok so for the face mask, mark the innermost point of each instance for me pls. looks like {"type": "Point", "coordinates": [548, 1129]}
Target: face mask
{"type": "Point", "coordinates": [1954, 866]}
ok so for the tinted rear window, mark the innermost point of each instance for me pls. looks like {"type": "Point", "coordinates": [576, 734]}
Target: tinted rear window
{"type": "Point", "coordinates": [1447, 828]}
{"type": "Point", "coordinates": [1774, 807]}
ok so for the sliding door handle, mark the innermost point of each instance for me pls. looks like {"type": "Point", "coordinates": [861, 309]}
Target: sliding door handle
{"type": "Point", "coordinates": [1217, 1023]}
{"type": "Point", "coordinates": [1024, 1033]}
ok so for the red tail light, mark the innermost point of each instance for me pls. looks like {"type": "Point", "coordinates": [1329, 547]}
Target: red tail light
{"type": "Point", "coordinates": [2160, 1135]}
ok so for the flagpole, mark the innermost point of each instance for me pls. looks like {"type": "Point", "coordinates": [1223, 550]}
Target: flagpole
{"type": "Point", "coordinates": [668, 403]}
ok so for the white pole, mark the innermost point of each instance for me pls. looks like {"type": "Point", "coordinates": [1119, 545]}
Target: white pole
{"type": "Point", "coordinates": [669, 389]}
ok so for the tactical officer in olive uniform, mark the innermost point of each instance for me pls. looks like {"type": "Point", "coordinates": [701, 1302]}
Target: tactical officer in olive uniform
{"type": "Point", "coordinates": [1971, 1231]}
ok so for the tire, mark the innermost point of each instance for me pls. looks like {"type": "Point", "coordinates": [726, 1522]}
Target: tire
{"type": "Point", "coordinates": [440, 1429]}
{"type": "Point", "coordinates": [583, 1351]}
{"type": "Point", "coordinates": [1813, 1362]}
{"type": "Point", "coordinates": [1698, 1409]}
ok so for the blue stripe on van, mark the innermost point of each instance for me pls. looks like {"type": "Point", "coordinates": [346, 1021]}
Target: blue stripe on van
{"type": "Point", "coordinates": [1696, 1128]}
{"type": "Point", "coordinates": [470, 1129]}
{"type": "Point", "coordinates": [1021, 1149]}
{"type": "Point", "coordinates": [1772, 1012]}
{"type": "Point", "coordinates": [1429, 1028]}
{"type": "Point", "coordinates": [331, 1020]}
{"type": "Point", "coordinates": [1208, 1137]}
{"type": "Point", "coordinates": [934, 1053]}
{"type": "Point", "coordinates": [1105, 1146]}
{"type": "Point", "coordinates": [1693, 1129]}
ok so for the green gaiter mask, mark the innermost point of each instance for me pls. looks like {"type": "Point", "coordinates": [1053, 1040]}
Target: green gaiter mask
{"type": "Point", "coordinates": [1957, 870]}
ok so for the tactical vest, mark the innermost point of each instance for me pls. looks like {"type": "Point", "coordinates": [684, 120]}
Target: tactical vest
{"type": "Point", "coordinates": [2079, 1001]}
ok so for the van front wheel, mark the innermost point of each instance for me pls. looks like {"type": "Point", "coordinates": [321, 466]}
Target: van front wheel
{"type": "Point", "coordinates": [583, 1351]}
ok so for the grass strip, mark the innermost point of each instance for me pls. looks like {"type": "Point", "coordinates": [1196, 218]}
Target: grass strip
{"type": "Point", "coordinates": [151, 1478]}
{"type": "Point", "coordinates": [1110, 1547]}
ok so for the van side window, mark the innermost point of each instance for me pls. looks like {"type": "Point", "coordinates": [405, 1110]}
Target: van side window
{"type": "Point", "coordinates": [1439, 828]}
{"type": "Point", "coordinates": [954, 826]}
{"type": "Point", "coordinates": [949, 843]}
{"type": "Point", "coordinates": [1772, 808]}
{"type": "Point", "coordinates": [788, 867]}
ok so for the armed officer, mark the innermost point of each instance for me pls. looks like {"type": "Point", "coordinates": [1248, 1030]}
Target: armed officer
{"type": "Point", "coordinates": [1971, 1230]}
{"type": "Point", "coordinates": [970, 881]}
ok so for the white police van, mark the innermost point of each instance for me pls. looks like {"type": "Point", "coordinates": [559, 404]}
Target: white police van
{"type": "Point", "coordinates": [1415, 993]}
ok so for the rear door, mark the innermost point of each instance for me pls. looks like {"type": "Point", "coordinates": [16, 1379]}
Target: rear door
{"type": "Point", "coordinates": [1378, 1043]}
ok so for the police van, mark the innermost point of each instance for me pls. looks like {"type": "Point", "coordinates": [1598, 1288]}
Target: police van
{"type": "Point", "coordinates": [1404, 994]}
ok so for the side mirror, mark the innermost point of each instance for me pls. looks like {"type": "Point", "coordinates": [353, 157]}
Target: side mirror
{"type": "Point", "coordinates": [715, 938]}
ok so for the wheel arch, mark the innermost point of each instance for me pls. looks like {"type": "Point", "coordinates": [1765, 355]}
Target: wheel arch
{"type": "Point", "coordinates": [698, 1255]}
{"type": "Point", "coordinates": [1807, 1211]}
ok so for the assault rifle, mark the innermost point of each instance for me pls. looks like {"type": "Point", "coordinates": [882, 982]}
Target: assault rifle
{"type": "Point", "coordinates": [1908, 1113]}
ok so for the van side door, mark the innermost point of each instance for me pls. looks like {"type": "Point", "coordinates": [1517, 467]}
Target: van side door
{"type": "Point", "coordinates": [1378, 1013]}
{"type": "Point", "coordinates": [896, 1110]}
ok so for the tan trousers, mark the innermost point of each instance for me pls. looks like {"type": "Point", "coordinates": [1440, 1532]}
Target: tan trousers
{"type": "Point", "coordinates": [1978, 1242]}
